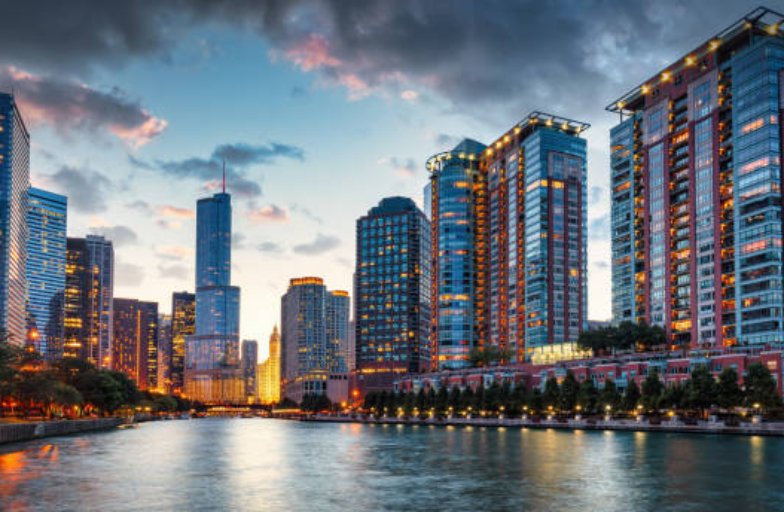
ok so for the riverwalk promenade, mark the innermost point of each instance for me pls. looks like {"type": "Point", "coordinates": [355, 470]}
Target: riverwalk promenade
{"type": "Point", "coordinates": [29, 430]}
{"type": "Point", "coordinates": [675, 425]}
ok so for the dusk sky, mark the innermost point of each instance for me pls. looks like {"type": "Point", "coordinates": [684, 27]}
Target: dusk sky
{"type": "Point", "coordinates": [319, 109]}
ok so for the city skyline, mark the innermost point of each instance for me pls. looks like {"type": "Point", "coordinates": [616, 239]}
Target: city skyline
{"type": "Point", "coordinates": [130, 181]}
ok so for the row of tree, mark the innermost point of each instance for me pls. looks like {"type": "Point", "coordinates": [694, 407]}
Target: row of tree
{"type": "Point", "coordinates": [70, 387]}
{"type": "Point", "coordinates": [700, 393]}
{"type": "Point", "coordinates": [625, 336]}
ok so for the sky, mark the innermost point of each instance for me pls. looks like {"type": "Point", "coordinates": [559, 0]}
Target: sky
{"type": "Point", "coordinates": [319, 109]}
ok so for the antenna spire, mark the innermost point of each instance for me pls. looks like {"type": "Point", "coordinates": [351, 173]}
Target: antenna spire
{"type": "Point", "coordinates": [224, 176]}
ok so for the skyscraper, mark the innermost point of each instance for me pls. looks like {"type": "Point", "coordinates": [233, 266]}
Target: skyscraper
{"type": "Point", "coordinates": [696, 192]}
{"type": "Point", "coordinates": [509, 244]}
{"type": "Point", "coordinates": [46, 246]}
{"type": "Point", "coordinates": [250, 362]}
{"type": "Point", "coordinates": [89, 294]}
{"type": "Point", "coordinates": [269, 372]}
{"type": "Point", "coordinates": [392, 293]}
{"type": "Point", "coordinates": [164, 353]}
{"type": "Point", "coordinates": [212, 365]}
{"type": "Point", "coordinates": [14, 182]}
{"type": "Point", "coordinates": [135, 341]}
{"type": "Point", "coordinates": [183, 325]}
{"type": "Point", "coordinates": [314, 328]}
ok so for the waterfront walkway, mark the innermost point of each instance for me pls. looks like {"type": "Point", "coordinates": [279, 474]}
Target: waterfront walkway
{"type": "Point", "coordinates": [27, 431]}
{"type": "Point", "coordinates": [775, 429]}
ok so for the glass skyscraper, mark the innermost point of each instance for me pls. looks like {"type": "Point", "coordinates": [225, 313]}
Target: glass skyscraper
{"type": "Point", "coordinates": [14, 183]}
{"type": "Point", "coordinates": [696, 192]}
{"type": "Point", "coordinates": [314, 336]}
{"type": "Point", "coordinates": [46, 247]}
{"type": "Point", "coordinates": [89, 300]}
{"type": "Point", "coordinates": [250, 362]}
{"type": "Point", "coordinates": [135, 341]}
{"type": "Point", "coordinates": [183, 325]}
{"type": "Point", "coordinates": [392, 293]}
{"type": "Point", "coordinates": [212, 365]}
{"type": "Point", "coordinates": [509, 244]}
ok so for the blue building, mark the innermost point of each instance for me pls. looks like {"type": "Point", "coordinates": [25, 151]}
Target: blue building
{"type": "Point", "coordinates": [46, 248]}
{"type": "Point", "coordinates": [697, 200]}
{"type": "Point", "coordinates": [392, 293]}
{"type": "Point", "coordinates": [458, 200]}
{"type": "Point", "coordinates": [212, 354]}
{"type": "Point", "coordinates": [14, 182]}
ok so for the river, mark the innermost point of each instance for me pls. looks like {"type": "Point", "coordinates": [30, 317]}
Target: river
{"type": "Point", "coordinates": [258, 464]}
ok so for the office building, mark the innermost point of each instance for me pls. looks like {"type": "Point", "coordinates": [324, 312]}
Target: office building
{"type": "Point", "coordinates": [696, 192]}
{"type": "Point", "coordinates": [212, 354]}
{"type": "Point", "coordinates": [250, 363]}
{"type": "Point", "coordinates": [89, 301]}
{"type": "Point", "coordinates": [314, 328]}
{"type": "Point", "coordinates": [268, 376]}
{"type": "Point", "coordinates": [135, 341]}
{"type": "Point", "coordinates": [45, 270]}
{"type": "Point", "coordinates": [509, 244]}
{"type": "Point", "coordinates": [392, 293]}
{"type": "Point", "coordinates": [183, 325]}
{"type": "Point", "coordinates": [14, 182]}
{"type": "Point", "coordinates": [164, 353]}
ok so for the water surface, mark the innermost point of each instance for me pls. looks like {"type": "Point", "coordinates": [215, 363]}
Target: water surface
{"type": "Point", "coordinates": [258, 464]}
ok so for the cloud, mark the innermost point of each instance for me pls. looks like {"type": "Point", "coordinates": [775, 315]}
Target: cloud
{"type": "Point", "coordinates": [599, 228]}
{"type": "Point", "coordinates": [175, 212]}
{"type": "Point", "coordinates": [140, 206]}
{"type": "Point", "coordinates": [128, 274]}
{"type": "Point", "coordinates": [268, 213]}
{"type": "Point", "coordinates": [305, 212]}
{"type": "Point", "coordinates": [179, 272]}
{"type": "Point", "coordinates": [238, 241]}
{"type": "Point", "coordinates": [404, 167]}
{"type": "Point", "coordinates": [119, 235]}
{"type": "Point", "coordinates": [320, 245]}
{"type": "Point", "coordinates": [173, 252]}
{"type": "Point", "coordinates": [238, 158]}
{"type": "Point", "coordinates": [87, 190]}
{"type": "Point", "coordinates": [269, 247]}
{"type": "Point", "coordinates": [68, 105]}
{"type": "Point", "coordinates": [596, 194]}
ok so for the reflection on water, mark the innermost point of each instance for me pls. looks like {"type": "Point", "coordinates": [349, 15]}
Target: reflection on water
{"type": "Point", "coordinates": [253, 464]}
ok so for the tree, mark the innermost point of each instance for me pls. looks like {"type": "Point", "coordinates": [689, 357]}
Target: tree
{"type": "Point", "coordinates": [569, 390]}
{"type": "Point", "coordinates": [729, 394]}
{"type": "Point", "coordinates": [442, 401]}
{"type": "Point", "coordinates": [100, 390]}
{"type": "Point", "coordinates": [552, 393]}
{"type": "Point", "coordinates": [631, 395]}
{"type": "Point", "coordinates": [701, 392]}
{"type": "Point", "coordinates": [673, 396]}
{"type": "Point", "coordinates": [609, 395]}
{"type": "Point", "coordinates": [534, 400]}
{"type": "Point", "coordinates": [455, 398]}
{"type": "Point", "coordinates": [760, 387]}
{"type": "Point", "coordinates": [652, 389]}
{"type": "Point", "coordinates": [588, 397]}
{"type": "Point", "coordinates": [493, 397]}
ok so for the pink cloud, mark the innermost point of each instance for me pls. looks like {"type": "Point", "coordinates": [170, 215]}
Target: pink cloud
{"type": "Point", "coordinates": [176, 212]}
{"type": "Point", "coordinates": [268, 213]}
{"type": "Point", "coordinates": [312, 53]}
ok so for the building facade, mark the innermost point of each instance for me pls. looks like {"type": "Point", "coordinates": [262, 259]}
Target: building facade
{"type": "Point", "coordinates": [696, 192]}
{"type": "Point", "coordinates": [312, 321]}
{"type": "Point", "coordinates": [392, 293]}
{"type": "Point", "coordinates": [45, 270]}
{"type": "Point", "coordinates": [250, 363]}
{"type": "Point", "coordinates": [183, 325]}
{"type": "Point", "coordinates": [89, 294]}
{"type": "Point", "coordinates": [509, 244]}
{"type": "Point", "coordinates": [164, 353]}
{"type": "Point", "coordinates": [135, 341]}
{"type": "Point", "coordinates": [212, 354]}
{"type": "Point", "coordinates": [268, 377]}
{"type": "Point", "coordinates": [14, 183]}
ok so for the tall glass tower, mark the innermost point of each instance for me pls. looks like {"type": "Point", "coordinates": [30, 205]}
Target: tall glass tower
{"type": "Point", "coordinates": [14, 182]}
{"type": "Point", "coordinates": [46, 247]}
{"type": "Point", "coordinates": [212, 368]}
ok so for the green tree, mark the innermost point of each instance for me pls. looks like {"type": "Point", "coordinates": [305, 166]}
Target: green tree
{"type": "Point", "coordinates": [588, 397]}
{"type": "Point", "coordinates": [760, 387]}
{"type": "Point", "coordinates": [609, 396]}
{"type": "Point", "coordinates": [534, 400]}
{"type": "Point", "coordinates": [442, 401]}
{"type": "Point", "coordinates": [100, 390]}
{"type": "Point", "coordinates": [467, 398]}
{"type": "Point", "coordinates": [493, 398]}
{"type": "Point", "coordinates": [729, 394]}
{"type": "Point", "coordinates": [701, 391]}
{"type": "Point", "coordinates": [674, 397]}
{"type": "Point", "coordinates": [569, 391]}
{"type": "Point", "coordinates": [455, 399]}
{"type": "Point", "coordinates": [631, 396]}
{"type": "Point", "coordinates": [652, 389]}
{"type": "Point", "coordinates": [552, 393]}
